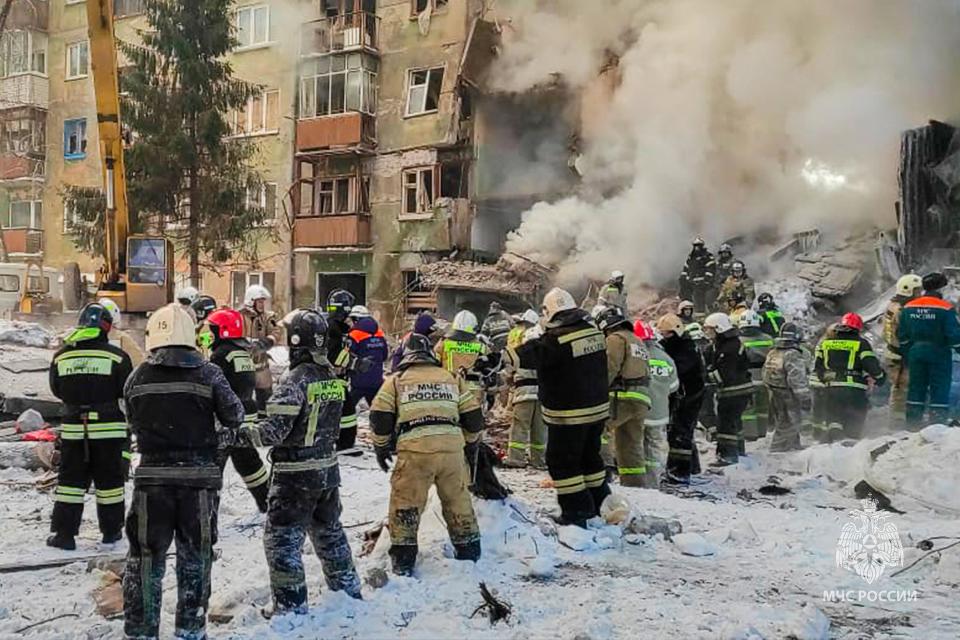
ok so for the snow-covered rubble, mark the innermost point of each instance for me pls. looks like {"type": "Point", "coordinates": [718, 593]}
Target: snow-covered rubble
{"type": "Point", "coordinates": [29, 334]}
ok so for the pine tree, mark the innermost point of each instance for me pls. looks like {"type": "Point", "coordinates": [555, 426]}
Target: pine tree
{"type": "Point", "coordinates": [185, 177]}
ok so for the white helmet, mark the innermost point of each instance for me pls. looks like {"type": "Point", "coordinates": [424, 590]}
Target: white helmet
{"type": "Point", "coordinates": [616, 275]}
{"type": "Point", "coordinates": [532, 333]}
{"type": "Point", "coordinates": [557, 300]}
{"type": "Point", "coordinates": [253, 293]}
{"type": "Point", "coordinates": [465, 321]}
{"type": "Point", "coordinates": [171, 326]}
{"type": "Point", "coordinates": [907, 284]}
{"type": "Point", "coordinates": [719, 322]}
{"type": "Point", "coordinates": [685, 304]}
{"type": "Point", "coordinates": [530, 317]}
{"type": "Point", "coordinates": [597, 310]}
{"type": "Point", "coordinates": [187, 295]}
{"type": "Point", "coordinates": [749, 318]}
{"type": "Point", "coordinates": [359, 311]}
{"type": "Point", "coordinates": [110, 305]}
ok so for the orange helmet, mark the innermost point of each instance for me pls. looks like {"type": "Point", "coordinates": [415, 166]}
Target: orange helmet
{"type": "Point", "coordinates": [853, 321]}
{"type": "Point", "coordinates": [643, 330]}
{"type": "Point", "coordinates": [228, 323]}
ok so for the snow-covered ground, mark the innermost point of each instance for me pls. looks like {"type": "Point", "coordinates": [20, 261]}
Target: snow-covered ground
{"type": "Point", "coordinates": [768, 560]}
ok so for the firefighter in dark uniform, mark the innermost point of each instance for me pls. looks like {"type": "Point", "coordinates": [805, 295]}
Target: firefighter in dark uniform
{"type": "Point", "coordinates": [302, 425]}
{"type": "Point", "coordinates": [699, 274]}
{"type": "Point", "coordinates": [174, 401]}
{"type": "Point", "coordinates": [729, 369]}
{"type": "Point", "coordinates": [757, 345]}
{"type": "Point", "coordinates": [771, 318]}
{"type": "Point", "coordinates": [88, 375]}
{"type": "Point", "coordinates": [571, 361]}
{"type": "Point", "coordinates": [438, 420]}
{"type": "Point", "coordinates": [684, 458]}
{"type": "Point", "coordinates": [231, 354]}
{"type": "Point", "coordinates": [339, 304]}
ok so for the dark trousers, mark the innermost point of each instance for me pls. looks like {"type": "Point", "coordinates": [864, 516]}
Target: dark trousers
{"type": "Point", "coordinates": [158, 515]}
{"type": "Point", "coordinates": [247, 462]}
{"type": "Point", "coordinates": [703, 298]}
{"type": "Point", "coordinates": [684, 459]}
{"type": "Point", "coordinates": [576, 466]}
{"type": "Point", "coordinates": [929, 386]}
{"type": "Point", "coordinates": [730, 427]}
{"type": "Point", "coordinates": [847, 406]}
{"type": "Point", "coordinates": [80, 462]}
{"type": "Point", "coordinates": [262, 395]}
{"type": "Point", "coordinates": [298, 508]}
{"type": "Point", "coordinates": [348, 420]}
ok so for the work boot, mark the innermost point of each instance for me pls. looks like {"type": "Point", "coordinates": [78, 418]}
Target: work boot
{"type": "Point", "coordinates": [467, 551]}
{"type": "Point", "coordinates": [404, 559]}
{"type": "Point", "coordinates": [675, 480]}
{"type": "Point", "coordinates": [564, 521]}
{"type": "Point", "coordinates": [112, 537]}
{"type": "Point", "coordinates": [62, 541]}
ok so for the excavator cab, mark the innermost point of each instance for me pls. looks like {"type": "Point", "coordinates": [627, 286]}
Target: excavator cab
{"type": "Point", "coordinates": [148, 284]}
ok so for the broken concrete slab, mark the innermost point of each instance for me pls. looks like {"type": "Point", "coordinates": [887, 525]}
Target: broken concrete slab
{"type": "Point", "coordinates": [29, 364]}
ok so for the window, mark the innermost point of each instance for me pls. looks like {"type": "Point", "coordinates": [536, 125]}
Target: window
{"type": "Point", "coordinates": [265, 198]}
{"type": "Point", "coordinates": [423, 91]}
{"type": "Point", "coordinates": [9, 283]}
{"type": "Point", "coordinates": [453, 180]}
{"type": "Point", "coordinates": [70, 218]}
{"type": "Point", "coordinates": [78, 60]}
{"type": "Point", "coordinates": [240, 280]}
{"type": "Point", "coordinates": [252, 25]}
{"type": "Point", "coordinates": [36, 284]}
{"type": "Point", "coordinates": [23, 133]}
{"type": "Point", "coordinates": [418, 191]}
{"type": "Point", "coordinates": [260, 115]}
{"type": "Point", "coordinates": [419, 6]}
{"type": "Point", "coordinates": [123, 8]}
{"type": "Point", "coordinates": [339, 84]}
{"type": "Point", "coordinates": [25, 214]}
{"type": "Point", "coordinates": [335, 196]}
{"type": "Point", "coordinates": [23, 52]}
{"type": "Point", "coordinates": [75, 138]}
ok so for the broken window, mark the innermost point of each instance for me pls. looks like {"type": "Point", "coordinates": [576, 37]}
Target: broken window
{"type": "Point", "coordinates": [340, 84]}
{"type": "Point", "coordinates": [419, 6]}
{"type": "Point", "coordinates": [453, 180]}
{"type": "Point", "coordinates": [423, 91]}
{"type": "Point", "coordinates": [264, 197]}
{"type": "Point", "coordinates": [23, 134]}
{"type": "Point", "coordinates": [75, 138]}
{"type": "Point", "coordinates": [418, 191]}
{"type": "Point", "coordinates": [335, 196]}
{"type": "Point", "coordinates": [23, 52]}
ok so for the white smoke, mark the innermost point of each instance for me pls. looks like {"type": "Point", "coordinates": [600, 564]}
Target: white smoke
{"type": "Point", "coordinates": [728, 117]}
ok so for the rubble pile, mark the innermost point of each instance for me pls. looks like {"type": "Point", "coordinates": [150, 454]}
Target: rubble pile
{"type": "Point", "coordinates": [835, 272]}
{"type": "Point", "coordinates": [477, 276]}
{"type": "Point", "coordinates": [29, 334]}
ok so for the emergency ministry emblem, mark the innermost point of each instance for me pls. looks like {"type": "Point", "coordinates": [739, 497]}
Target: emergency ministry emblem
{"type": "Point", "coordinates": [868, 545]}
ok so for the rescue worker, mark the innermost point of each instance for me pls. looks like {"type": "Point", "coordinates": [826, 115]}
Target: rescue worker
{"type": "Point", "coordinates": [663, 384]}
{"type": "Point", "coordinates": [685, 311]}
{"type": "Point", "coordinates": [439, 422]}
{"type": "Point", "coordinates": [119, 337]}
{"type": "Point", "coordinates": [736, 289]}
{"type": "Point", "coordinates": [528, 435]}
{"type": "Point", "coordinates": [173, 402]}
{"type": "Point", "coordinates": [708, 408]}
{"type": "Point", "coordinates": [521, 323]}
{"type": "Point", "coordinates": [260, 328]}
{"type": "Point", "coordinates": [460, 349]}
{"type": "Point", "coordinates": [203, 306]}
{"type": "Point", "coordinates": [424, 324]}
{"type": "Point", "coordinates": [340, 303]}
{"type": "Point", "coordinates": [757, 345]}
{"type": "Point", "coordinates": [368, 349]}
{"type": "Point", "coordinates": [88, 374]}
{"type": "Point", "coordinates": [699, 274]}
{"type": "Point", "coordinates": [848, 368]}
{"type": "Point", "coordinates": [785, 378]}
{"type": "Point", "coordinates": [928, 332]}
{"type": "Point", "coordinates": [186, 296]}
{"type": "Point", "coordinates": [724, 263]}
{"type": "Point", "coordinates": [819, 417]}
{"type": "Point", "coordinates": [909, 287]}
{"type": "Point", "coordinates": [628, 378]}
{"type": "Point", "coordinates": [496, 326]}
{"type": "Point", "coordinates": [612, 293]}
{"type": "Point", "coordinates": [683, 458]}
{"type": "Point", "coordinates": [230, 352]}
{"type": "Point", "coordinates": [302, 425]}
{"type": "Point", "coordinates": [571, 367]}
{"type": "Point", "coordinates": [729, 369]}
{"type": "Point", "coordinates": [771, 319]}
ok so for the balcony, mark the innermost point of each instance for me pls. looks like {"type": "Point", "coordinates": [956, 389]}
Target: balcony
{"type": "Point", "coordinates": [340, 133]}
{"type": "Point", "coordinates": [23, 241]}
{"type": "Point", "coordinates": [15, 166]}
{"type": "Point", "coordinates": [343, 230]}
{"type": "Point", "coordinates": [29, 14]}
{"type": "Point", "coordinates": [23, 90]}
{"type": "Point", "coordinates": [357, 31]}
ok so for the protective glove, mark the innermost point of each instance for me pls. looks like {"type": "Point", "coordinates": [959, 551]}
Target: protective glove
{"type": "Point", "coordinates": [383, 458]}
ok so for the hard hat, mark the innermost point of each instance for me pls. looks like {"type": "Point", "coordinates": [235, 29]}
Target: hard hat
{"type": "Point", "coordinates": [934, 281]}
{"type": "Point", "coordinates": [171, 326]}
{"type": "Point", "coordinates": [556, 301]}
{"type": "Point", "coordinates": [749, 318]}
{"type": "Point", "coordinates": [359, 311]}
{"type": "Point", "coordinates": [725, 248]}
{"type": "Point", "coordinates": [791, 332]}
{"type": "Point", "coordinates": [226, 324]}
{"type": "Point", "coordinates": [611, 318]}
{"type": "Point", "coordinates": [764, 300]}
{"type": "Point", "coordinates": [465, 321]}
{"type": "Point", "coordinates": [699, 242]}
{"type": "Point", "coordinates": [187, 295]}
{"type": "Point", "coordinates": [616, 275]}
{"type": "Point", "coordinates": [532, 333]}
{"type": "Point", "coordinates": [95, 316]}
{"type": "Point", "coordinates": [494, 307]}
{"type": "Point", "coordinates": [719, 322]}
{"type": "Point", "coordinates": [737, 265]}
{"type": "Point", "coordinates": [110, 305]}
{"type": "Point", "coordinates": [418, 350]}
{"type": "Point", "coordinates": [203, 307]}
{"type": "Point", "coordinates": [530, 317]}
{"type": "Point", "coordinates": [907, 284]}
{"type": "Point", "coordinates": [643, 330]}
{"type": "Point", "coordinates": [852, 321]}
{"type": "Point", "coordinates": [339, 303]}
{"type": "Point", "coordinates": [684, 304]}
{"type": "Point", "coordinates": [306, 329]}
{"type": "Point", "coordinates": [597, 309]}
{"type": "Point", "coordinates": [255, 292]}
{"type": "Point", "coordinates": [695, 331]}
{"type": "Point", "coordinates": [670, 322]}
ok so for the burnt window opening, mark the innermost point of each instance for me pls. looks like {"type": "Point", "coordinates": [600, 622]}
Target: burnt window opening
{"type": "Point", "coordinates": [454, 180]}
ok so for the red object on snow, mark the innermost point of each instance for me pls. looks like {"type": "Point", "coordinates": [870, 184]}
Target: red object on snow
{"type": "Point", "coordinates": [43, 435]}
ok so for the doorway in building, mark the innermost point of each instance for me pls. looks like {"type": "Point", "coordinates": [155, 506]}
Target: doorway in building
{"type": "Point", "coordinates": [355, 283]}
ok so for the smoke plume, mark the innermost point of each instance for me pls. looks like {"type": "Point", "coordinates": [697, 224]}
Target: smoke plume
{"type": "Point", "coordinates": [724, 118]}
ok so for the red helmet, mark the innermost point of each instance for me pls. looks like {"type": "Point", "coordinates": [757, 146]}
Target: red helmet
{"type": "Point", "coordinates": [229, 323]}
{"type": "Point", "coordinates": [852, 321]}
{"type": "Point", "coordinates": [643, 330]}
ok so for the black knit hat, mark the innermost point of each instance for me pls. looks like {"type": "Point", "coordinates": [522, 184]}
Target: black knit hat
{"type": "Point", "coordinates": [934, 281]}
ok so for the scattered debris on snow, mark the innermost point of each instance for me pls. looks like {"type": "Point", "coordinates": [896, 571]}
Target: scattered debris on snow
{"type": "Point", "coordinates": [29, 334]}
{"type": "Point", "coordinates": [694, 544]}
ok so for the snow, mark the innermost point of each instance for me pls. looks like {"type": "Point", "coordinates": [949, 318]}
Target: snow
{"type": "Point", "coordinates": [771, 560]}
{"type": "Point", "coordinates": [29, 334]}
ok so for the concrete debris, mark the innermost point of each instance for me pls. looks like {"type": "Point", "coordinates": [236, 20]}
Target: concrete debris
{"type": "Point", "coordinates": [30, 420]}
{"type": "Point", "coordinates": [511, 278]}
{"type": "Point", "coordinates": [834, 273]}
{"type": "Point", "coordinates": [31, 456]}
{"type": "Point", "coordinates": [29, 364]}
{"type": "Point", "coordinates": [29, 334]}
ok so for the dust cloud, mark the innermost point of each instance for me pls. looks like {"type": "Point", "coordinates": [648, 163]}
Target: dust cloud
{"type": "Point", "coordinates": [726, 118]}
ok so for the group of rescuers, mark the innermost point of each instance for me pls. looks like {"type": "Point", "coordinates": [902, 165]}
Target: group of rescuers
{"type": "Point", "coordinates": [593, 395]}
